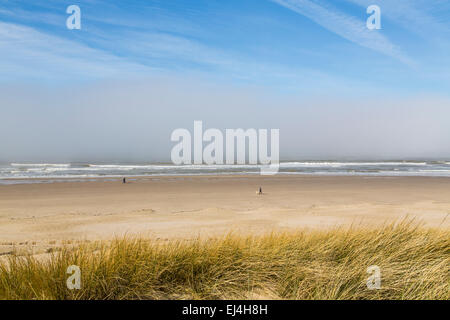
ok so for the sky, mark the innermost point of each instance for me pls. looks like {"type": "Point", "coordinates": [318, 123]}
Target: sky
{"type": "Point", "coordinates": [137, 70]}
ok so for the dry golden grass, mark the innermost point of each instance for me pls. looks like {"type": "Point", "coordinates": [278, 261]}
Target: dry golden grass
{"type": "Point", "coordinates": [414, 262]}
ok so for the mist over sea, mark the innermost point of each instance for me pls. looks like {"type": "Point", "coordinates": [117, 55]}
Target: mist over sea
{"type": "Point", "coordinates": [12, 173]}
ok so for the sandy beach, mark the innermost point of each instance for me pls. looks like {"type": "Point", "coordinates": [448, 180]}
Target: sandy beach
{"type": "Point", "coordinates": [45, 215]}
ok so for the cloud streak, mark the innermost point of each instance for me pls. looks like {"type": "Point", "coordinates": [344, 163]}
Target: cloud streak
{"type": "Point", "coordinates": [32, 55]}
{"type": "Point", "coordinates": [346, 26]}
{"type": "Point", "coordinates": [411, 15]}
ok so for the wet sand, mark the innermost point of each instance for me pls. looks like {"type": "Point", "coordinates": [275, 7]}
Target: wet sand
{"type": "Point", "coordinates": [39, 216]}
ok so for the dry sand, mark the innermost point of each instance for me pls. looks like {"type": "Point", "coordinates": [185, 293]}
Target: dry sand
{"type": "Point", "coordinates": [39, 216]}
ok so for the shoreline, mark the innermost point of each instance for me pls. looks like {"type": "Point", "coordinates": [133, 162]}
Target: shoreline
{"type": "Point", "coordinates": [23, 173]}
{"type": "Point", "coordinates": [214, 175]}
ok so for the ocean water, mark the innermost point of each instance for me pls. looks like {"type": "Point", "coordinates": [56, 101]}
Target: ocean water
{"type": "Point", "coordinates": [11, 173]}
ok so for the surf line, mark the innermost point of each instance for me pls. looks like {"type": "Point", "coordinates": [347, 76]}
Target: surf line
{"type": "Point", "coordinates": [193, 310]}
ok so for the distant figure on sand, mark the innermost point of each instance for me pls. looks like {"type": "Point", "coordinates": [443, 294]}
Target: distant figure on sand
{"type": "Point", "coordinates": [259, 191]}
{"type": "Point", "coordinates": [124, 180]}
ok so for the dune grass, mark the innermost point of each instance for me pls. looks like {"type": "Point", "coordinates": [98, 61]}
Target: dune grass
{"type": "Point", "coordinates": [414, 263]}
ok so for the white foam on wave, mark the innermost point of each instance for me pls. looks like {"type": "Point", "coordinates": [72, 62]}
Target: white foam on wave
{"type": "Point", "coordinates": [80, 170]}
{"type": "Point", "coordinates": [118, 166]}
{"type": "Point", "coordinates": [172, 166]}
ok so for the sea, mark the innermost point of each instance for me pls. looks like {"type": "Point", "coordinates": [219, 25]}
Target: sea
{"type": "Point", "coordinates": [13, 173]}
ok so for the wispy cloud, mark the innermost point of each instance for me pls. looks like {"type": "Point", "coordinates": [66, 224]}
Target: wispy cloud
{"type": "Point", "coordinates": [137, 39]}
{"type": "Point", "coordinates": [346, 26]}
{"type": "Point", "coordinates": [33, 55]}
{"type": "Point", "coordinates": [28, 53]}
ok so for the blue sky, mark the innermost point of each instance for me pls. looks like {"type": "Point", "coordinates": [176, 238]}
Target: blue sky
{"type": "Point", "coordinates": [137, 70]}
{"type": "Point", "coordinates": [309, 45]}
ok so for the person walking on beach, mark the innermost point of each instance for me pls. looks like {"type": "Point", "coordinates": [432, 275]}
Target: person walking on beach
{"type": "Point", "coordinates": [260, 191]}
{"type": "Point", "coordinates": [124, 180]}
